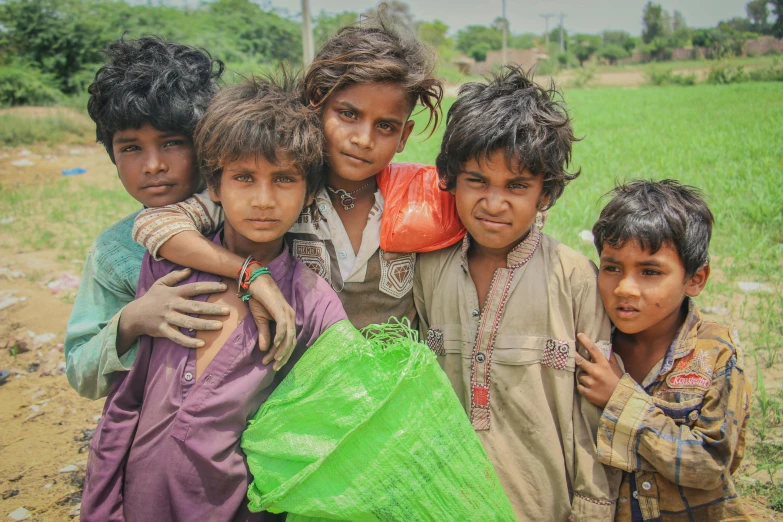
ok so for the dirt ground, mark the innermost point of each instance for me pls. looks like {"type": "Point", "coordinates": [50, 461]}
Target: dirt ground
{"type": "Point", "coordinates": [45, 427]}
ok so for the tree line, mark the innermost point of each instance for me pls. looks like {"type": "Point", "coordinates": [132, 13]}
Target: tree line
{"type": "Point", "coordinates": [50, 48]}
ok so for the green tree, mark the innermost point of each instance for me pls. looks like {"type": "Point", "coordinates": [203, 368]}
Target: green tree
{"type": "Point", "coordinates": [59, 37]}
{"type": "Point", "coordinates": [678, 21]}
{"type": "Point", "coordinates": [652, 22]}
{"type": "Point", "coordinates": [522, 41]}
{"type": "Point", "coordinates": [620, 38]}
{"type": "Point", "coordinates": [479, 52]}
{"type": "Point", "coordinates": [612, 53]}
{"type": "Point", "coordinates": [433, 33]}
{"type": "Point", "coordinates": [777, 27]}
{"type": "Point", "coordinates": [474, 35]}
{"type": "Point", "coordinates": [758, 12]}
{"type": "Point", "coordinates": [327, 25]}
{"type": "Point", "coordinates": [584, 46]}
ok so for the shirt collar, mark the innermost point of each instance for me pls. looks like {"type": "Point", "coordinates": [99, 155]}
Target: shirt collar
{"type": "Point", "coordinates": [521, 254]}
{"type": "Point", "coordinates": [278, 267]}
{"type": "Point", "coordinates": [685, 340]}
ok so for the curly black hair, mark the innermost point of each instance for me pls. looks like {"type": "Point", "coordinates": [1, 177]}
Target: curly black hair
{"type": "Point", "coordinates": [151, 80]}
{"type": "Point", "coordinates": [261, 115]}
{"type": "Point", "coordinates": [375, 52]}
{"type": "Point", "coordinates": [655, 213]}
{"type": "Point", "coordinates": [509, 112]}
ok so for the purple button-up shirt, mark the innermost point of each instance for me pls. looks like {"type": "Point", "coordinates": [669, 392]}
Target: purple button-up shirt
{"type": "Point", "coordinates": [167, 447]}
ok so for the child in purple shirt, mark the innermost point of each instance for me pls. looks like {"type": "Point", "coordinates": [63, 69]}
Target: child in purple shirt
{"type": "Point", "coordinates": [167, 447]}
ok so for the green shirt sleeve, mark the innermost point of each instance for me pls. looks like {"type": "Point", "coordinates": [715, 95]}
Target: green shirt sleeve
{"type": "Point", "coordinates": [108, 284]}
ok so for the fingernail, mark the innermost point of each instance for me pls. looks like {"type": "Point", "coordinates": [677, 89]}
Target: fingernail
{"type": "Point", "coordinates": [200, 344]}
{"type": "Point", "coordinates": [224, 310]}
{"type": "Point", "coordinates": [217, 324]}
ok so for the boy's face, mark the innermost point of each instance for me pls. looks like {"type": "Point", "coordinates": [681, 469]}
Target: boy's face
{"type": "Point", "coordinates": [261, 201]}
{"type": "Point", "coordinates": [365, 126]}
{"type": "Point", "coordinates": [497, 205]}
{"type": "Point", "coordinates": [643, 291]}
{"type": "Point", "coordinates": [156, 167]}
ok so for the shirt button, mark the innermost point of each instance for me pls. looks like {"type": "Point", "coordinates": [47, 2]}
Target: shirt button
{"type": "Point", "coordinates": [322, 207]}
{"type": "Point", "coordinates": [188, 376]}
{"type": "Point", "coordinates": [694, 415]}
{"type": "Point", "coordinates": [636, 495]}
{"type": "Point", "coordinates": [191, 330]}
{"type": "Point", "coordinates": [623, 500]}
{"type": "Point", "coordinates": [342, 254]}
{"type": "Point", "coordinates": [476, 312]}
{"type": "Point", "coordinates": [480, 357]}
{"type": "Point", "coordinates": [646, 486]}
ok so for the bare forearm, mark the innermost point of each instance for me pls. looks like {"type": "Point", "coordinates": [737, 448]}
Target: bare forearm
{"type": "Point", "coordinates": [193, 250]}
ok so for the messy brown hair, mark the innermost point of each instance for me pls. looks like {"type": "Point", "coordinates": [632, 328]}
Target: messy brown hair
{"type": "Point", "coordinates": [512, 113]}
{"type": "Point", "coordinates": [260, 115]}
{"type": "Point", "coordinates": [374, 52]}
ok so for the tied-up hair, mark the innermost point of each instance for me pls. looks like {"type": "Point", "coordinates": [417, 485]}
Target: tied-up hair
{"type": "Point", "coordinates": [260, 116]}
{"type": "Point", "coordinates": [512, 113]}
{"type": "Point", "coordinates": [364, 54]}
{"type": "Point", "coordinates": [151, 80]}
{"type": "Point", "coordinates": [654, 214]}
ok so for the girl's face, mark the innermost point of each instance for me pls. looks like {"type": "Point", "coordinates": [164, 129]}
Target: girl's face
{"type": "Point", "coordinates": [365, 126]}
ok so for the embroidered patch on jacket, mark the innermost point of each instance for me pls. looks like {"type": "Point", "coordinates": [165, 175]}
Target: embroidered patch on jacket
{"type": "Point", "coordinates": [688, 380]}
{"type": "Point", "coordinates": [435, 341]}
{"type": "Point", "coordinates": [314, 256]}
{"type": "Point", "coordinates": [397, 275]}
{"type": "Point", "coordinates": [555, 354]}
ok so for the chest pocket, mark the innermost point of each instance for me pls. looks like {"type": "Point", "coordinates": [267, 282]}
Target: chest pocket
{"type": "Point", "coordinates": [397, 275]}
{"type": "Point", "coordinates": [444, 340]}
{"type": "Point", "coordinates": [682, 406]}
{"type": "Point", "coordinates": [519, 350]}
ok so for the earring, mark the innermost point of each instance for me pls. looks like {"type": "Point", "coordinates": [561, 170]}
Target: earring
{"type": "Point", "coordinates": [541, 217]}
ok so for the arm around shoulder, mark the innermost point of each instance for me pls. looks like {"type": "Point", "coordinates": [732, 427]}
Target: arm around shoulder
{"type": "Point", "coordinates": [154, 227]}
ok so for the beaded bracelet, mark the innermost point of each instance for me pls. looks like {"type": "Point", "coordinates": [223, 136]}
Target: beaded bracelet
{"type": "Point", "coordinates": [253, 276]}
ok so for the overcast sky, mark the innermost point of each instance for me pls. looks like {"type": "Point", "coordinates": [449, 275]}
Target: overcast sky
{"type": "Point", "coordinates": [583, 16]}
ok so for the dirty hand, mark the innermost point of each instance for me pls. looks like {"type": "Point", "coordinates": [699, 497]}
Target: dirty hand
{"type": "Point", "coordinates": [268, 304]}
{"type": "Point", "coordinates": [600, 376]}
{"type": "Point", "coordinates": [162, 310]}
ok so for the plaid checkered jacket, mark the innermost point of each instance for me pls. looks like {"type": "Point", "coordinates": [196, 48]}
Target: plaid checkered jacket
{"type": "Point", "coordinates": [682, 435]}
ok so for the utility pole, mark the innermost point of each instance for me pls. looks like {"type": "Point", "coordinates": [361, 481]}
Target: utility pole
{"type": "Point", "coordinates": [308, 51]}
{"type": "Point", "coordinates": [546, 18]}
{"type": "Point", "coordinates": [503, 56]}
{"type": "Point", "coordinates": [562, 43]}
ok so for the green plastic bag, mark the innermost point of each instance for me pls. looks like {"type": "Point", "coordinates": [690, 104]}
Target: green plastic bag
{"type": "Point", "coordinates": [369, 429]}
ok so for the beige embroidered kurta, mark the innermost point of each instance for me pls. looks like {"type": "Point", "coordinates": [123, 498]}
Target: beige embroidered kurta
{"type": "Point", "coordinates": [512, 366]}
{"type": "Point", "coordinates": [371, 288]}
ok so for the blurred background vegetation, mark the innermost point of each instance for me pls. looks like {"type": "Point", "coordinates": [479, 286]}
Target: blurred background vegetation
{"type": "Point", "coordinates": [49, 49]}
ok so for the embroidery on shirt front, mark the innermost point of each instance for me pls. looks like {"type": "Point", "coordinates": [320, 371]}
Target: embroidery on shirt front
{"type": "Point", "coordinates": [314, 256]}
{"type": "Point", "coordinates": [397, 275]}
{"type": "Point", "coordinates": [556, 354]}
{"type": "Point", "coordinates": [489, 323]}
{"type": "Point", "coordinates": [692, 371]}
{"type": "Point", "coordinates": [435, 341]}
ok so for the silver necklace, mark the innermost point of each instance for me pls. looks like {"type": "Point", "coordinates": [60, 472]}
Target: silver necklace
{"type": "Point", "coordinates": [347, 199]}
